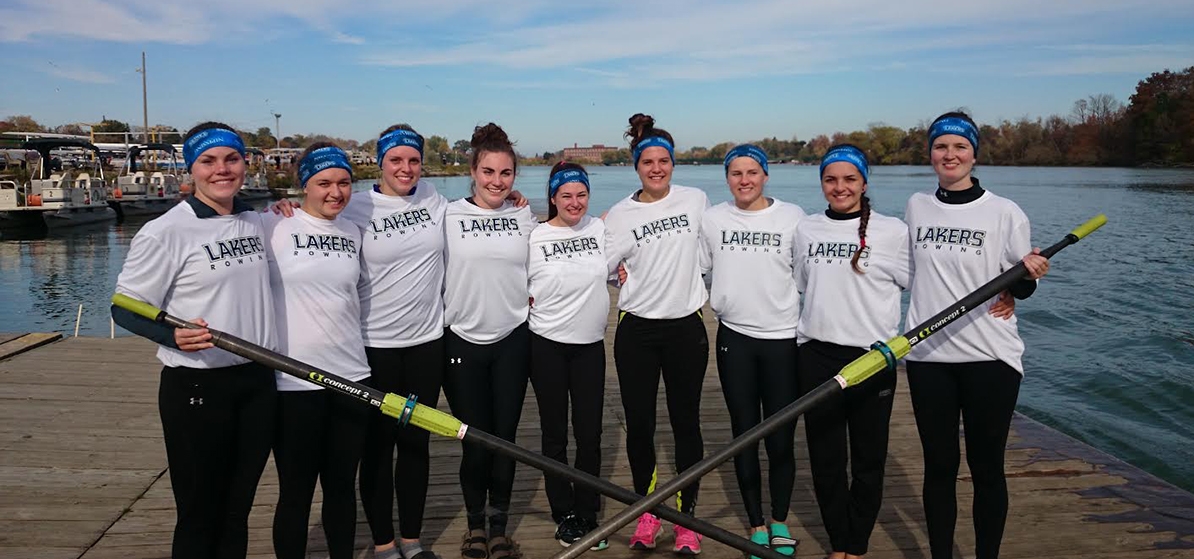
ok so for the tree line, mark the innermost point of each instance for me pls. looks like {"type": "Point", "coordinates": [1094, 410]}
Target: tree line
{"type": "Point", "coordinates": [1154, 128]}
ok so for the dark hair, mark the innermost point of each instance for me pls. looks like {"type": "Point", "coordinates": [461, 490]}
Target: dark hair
{"type": "Point", "coordinates": [207, 126]}
{"type": "Point", "coordinates": [560, 166]}
{"type": "Point", "coordinates": [295, 167]}
{"type": "Point", "coordinates": [862, 223]}
{"type": "Point", "coordinates": [956, 114]}
{"type": "Point", "coordinates": [402, 126]}
{"type": "Point", "coordinates": [643, 126]}
{"type": "Point", "coordinates": [490, 138]}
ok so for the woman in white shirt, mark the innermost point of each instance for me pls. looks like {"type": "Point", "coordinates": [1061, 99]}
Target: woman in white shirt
{"type": "Point", "coordinates": [655, 233]}
{"type": "Point", "coordinates": [748, 242]}
{"type": "Point", "coordinates": [314, 267]}
{"type": "Point", "coordinates": [487, 340]}
{"type": "Point", "coordinates": [206, 257]}
{"type": "Point", "coordinates": [567, 270]}
{"type": "Point", "coordinates": [962, 236]}
{"type": "Point", "coordinates": [852, 264]}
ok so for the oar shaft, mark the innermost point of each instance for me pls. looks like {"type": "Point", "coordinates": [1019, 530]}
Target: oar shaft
{"type": "Point", "coordinates": [441, 423]}
{"type": "Point", "coordinates": [852, 374]}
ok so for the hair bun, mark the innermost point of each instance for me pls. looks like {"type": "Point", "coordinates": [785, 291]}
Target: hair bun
{"type": "Point", "coordinates": [489, 134]}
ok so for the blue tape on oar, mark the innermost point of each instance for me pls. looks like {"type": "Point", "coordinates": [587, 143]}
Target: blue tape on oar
{"type": "Point", "coordinates": [887, 354]}
{"type": "Point", "coordinates": [411, 401]}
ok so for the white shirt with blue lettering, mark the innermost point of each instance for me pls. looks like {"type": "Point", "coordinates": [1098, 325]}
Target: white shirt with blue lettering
{"type": "Point", "coordinates": [402, 265]}
{"type": "Point", "coordinates": [485, 290]}
{"type": "Point", "coordinates": [567, 271]}
{"type": "Point", "coordinates": [314, 268]}
{"type": "Point", "coordinates": [956, 248]}
{"type": "Point", "coordinates": [842, 306]}
{"type": "Point", "coordinates": [212, 268]}
{"type": "Point", "coordinates": [751, 254]}
{"type": "Point", "coordinates": [659, 242]}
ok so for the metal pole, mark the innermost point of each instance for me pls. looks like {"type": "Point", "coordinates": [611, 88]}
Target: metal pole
{"type": "Point", "coordinates": [278, 130]}
{"type": "Point", "coordinates": [144, 97]}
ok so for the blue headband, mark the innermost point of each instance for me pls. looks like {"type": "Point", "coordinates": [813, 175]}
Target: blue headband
{"type": "Point", "coordinates": [747, 150]}
{"type": "Point", "coordinates": [323, 158]}
{"type": "Point", "coordinates": [654, 141]}
{"type": "Point", "coordinates": [849, 154]}
{"type": "Point", "coordinates": [398, 137]}
{"type": "Point", "coordinates": [207, 139]}
{"type": "Point", "coordinates": [565, 176]}
{"type": "Point", "coordinates": [957, 126]}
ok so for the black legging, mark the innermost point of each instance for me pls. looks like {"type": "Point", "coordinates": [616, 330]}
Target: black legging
{"type": "Point", "coordinates": [320, 434]}
{"type": "Point", "coordinates": [417, 370]}
{"type": "Point", "coordinates": [849, 505]}
{"type": "Point", "coordinates": [984, 393]}
{"type": "Point", "coordinates": [486, 385]}
{"type": "Point", "coordinates": [218, 425]}
{"type": "Point", "coordinates": [561, 372]}
{"type": "Point", "coordinates": [679, 348]}
{"type": "Point", "coordinates": [756, 372]}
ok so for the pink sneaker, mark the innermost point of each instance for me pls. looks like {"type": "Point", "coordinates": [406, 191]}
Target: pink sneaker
{"type": "Point", "coordinates": [687, 541]}
{"type": "Point", "coordinates": [649, 528]}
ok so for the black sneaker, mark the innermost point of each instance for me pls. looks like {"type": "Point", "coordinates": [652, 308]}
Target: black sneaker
{"type": "Point", "coordinates": [569, 530]}
{"type": "Point", "coordinates": [588, 525]}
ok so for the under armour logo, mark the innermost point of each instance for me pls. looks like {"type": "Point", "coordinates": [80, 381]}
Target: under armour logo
{"type": "Point", "coordinates": [196, 401]}
{"type": "Point", "coordinates": [455, 360]}
{"type": "Point", "coordinates": [724, 349]}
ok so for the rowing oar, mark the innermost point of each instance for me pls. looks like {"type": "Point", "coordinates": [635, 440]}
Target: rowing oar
{"type": "Point", "coordinates": [439, 423]}
{"type": "Point", "coordinates": [881, 356]}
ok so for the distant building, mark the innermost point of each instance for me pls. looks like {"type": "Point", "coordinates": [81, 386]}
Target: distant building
{"type": "Point", "coordinates": [591, 154]}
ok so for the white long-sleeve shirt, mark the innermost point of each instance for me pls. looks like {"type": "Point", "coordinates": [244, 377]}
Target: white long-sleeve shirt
{"type": "Point", "coordinates": [660, 245]}
{"type": "Point", "coordinates": [567, 270]}
{"type": "Point", "coordinates": [752, 258]}
{"type": "Point", "coordinates": [485, 291]}
{"type": "Point", "coordinates": [842, 306]}
{"type": "Point", "coordinates": [402, 265]}
{"type": "Point", "coordinates": [193, 263]}
{"type": "Point", "coordinates": [956, 248]}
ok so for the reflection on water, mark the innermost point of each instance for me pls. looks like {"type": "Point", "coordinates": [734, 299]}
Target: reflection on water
{"type": "Point", "coordinates": [1110, 345]}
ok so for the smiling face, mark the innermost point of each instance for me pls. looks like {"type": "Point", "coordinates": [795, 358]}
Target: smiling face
{"type": "Point", "coordinates": [953, 160]}
{"type": "Point", "coordinates": [401, 169]}
{"type": "Point", "coordinates": [327, 192]}
{"type": "Point", "coordinates": [746, 180]}
{"type": "Point", "coordinates": [493, 178]}
{"type": "Point", "coordinates": [655, 171]}
{"type": "Point", "coordinates": [572, 203]}
{"type": "Point", "coordinates": [843, 187]}
{"type": "Point", "coordinates": [218, 174]}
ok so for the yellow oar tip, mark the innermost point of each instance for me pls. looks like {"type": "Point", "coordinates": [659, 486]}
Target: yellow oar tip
{"type": "Point", "coordinates": [1090, 226]}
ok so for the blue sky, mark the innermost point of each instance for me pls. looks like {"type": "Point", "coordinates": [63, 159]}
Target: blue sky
{"type": "Point", "coordinates": [554, 73]}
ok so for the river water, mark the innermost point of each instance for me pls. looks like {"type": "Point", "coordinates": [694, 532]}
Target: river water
{"type": "Point", "coordinates": [1110, 332]}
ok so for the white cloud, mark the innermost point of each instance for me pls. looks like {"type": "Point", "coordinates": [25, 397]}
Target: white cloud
{"type": "Point", "coordinates": [83, 75]}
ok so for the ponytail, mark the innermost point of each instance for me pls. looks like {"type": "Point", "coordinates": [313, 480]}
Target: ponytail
{"type": "Point", "coordinates": [862, 223]}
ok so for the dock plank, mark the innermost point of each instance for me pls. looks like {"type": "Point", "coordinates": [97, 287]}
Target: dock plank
{"type": "Point", "coordinates": [83, 474]}
{"type": "Point", "coordinates": [20, 344]}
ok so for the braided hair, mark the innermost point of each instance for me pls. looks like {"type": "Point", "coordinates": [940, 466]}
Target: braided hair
{"type": "Point", "coordinates": [862, 223]}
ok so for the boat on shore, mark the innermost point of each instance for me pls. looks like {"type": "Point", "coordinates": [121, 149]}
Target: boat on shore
{"type": "Point", "coordinates": [256, 186]}
{"type": "Point", "coordinates": [145, 192]}
{"type": "Point", "coordinates": [55, 200]}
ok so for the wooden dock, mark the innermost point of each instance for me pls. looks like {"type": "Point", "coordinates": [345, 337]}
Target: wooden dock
{"type": "Point", "coordinates": [83, 473]}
